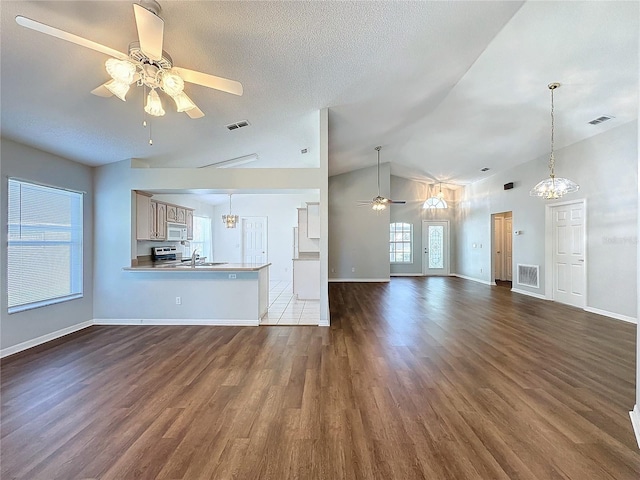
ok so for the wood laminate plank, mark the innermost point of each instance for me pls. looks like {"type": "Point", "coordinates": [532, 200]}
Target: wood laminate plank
{"type": "Point", "coordinates": [420, 378]}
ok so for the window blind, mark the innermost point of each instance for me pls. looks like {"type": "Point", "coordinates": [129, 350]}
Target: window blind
{"type": "Point", "coordinates": [44, 250]}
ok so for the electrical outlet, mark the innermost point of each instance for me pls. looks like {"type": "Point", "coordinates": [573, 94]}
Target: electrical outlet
{"type": "Point", "coordinates": [333, 270]}
{"type": "Point", "coordinates": [232, 275]}
{"type": "Point", "coordinates": [178, 300]}
{"type": "Point", "coordinates": [480, 270]}
{"type": "Point", "coordinates": [353, 269]}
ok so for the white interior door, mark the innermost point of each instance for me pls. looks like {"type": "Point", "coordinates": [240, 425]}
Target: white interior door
{"type": "Point", "coordinates": [498, 247]}
{"type": "Point", "coordinates": [254, 239]}
{"type": "Point", "coordinates": [508, 248]}
{"type": "Point", "coordinates": [435, 248]}
{"type": "Point", "coordinates": [568, 226]}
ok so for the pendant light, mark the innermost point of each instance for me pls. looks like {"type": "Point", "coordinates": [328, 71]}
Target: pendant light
{"type": "Point", "coordinates": [436, 201]}
{"type": "Point", "coordinates": [230, 221]}
{"type": "Point", "coordinates": [553, 187]}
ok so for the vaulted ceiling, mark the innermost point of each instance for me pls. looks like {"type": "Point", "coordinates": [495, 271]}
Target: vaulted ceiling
{"type": "Point", "coordinates": [446, 88]}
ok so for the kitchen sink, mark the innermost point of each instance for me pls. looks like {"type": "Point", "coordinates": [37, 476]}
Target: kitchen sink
{"type": "Point", "coordinates": [187, 265]}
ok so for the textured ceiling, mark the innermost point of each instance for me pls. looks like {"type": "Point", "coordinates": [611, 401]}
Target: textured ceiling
{"type": "Point", "coordinates": [445, 87]}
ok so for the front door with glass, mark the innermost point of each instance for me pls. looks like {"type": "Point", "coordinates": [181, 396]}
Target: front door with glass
{"type": "Point", "coordinates": [435, 248]}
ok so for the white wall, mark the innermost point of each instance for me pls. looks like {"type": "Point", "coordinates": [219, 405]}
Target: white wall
{"type": "Point", "coordinates": [27, 163]}
{"type": "Point", "coordinates": [282, 215]}
{"type": "Point", "coordinates": [605, 166]}
{"type": "Point", "coordinates": [358, 236]}
{"type": "Point", "coordinates": [415, 193]}
{"type": "Point", "coordinates": [123, 295]}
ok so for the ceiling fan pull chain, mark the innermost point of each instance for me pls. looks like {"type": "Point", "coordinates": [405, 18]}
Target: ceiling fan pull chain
{"type": "Point", "coordinates": [144, 112]}
{"type": "Point", "coordinates": [150, 140]}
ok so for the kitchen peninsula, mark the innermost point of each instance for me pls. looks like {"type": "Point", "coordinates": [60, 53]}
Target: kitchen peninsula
{"type": "Point", "coordinates": [203, 294]}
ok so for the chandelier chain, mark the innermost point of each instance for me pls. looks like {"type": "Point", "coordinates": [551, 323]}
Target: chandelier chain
{"type": "Point", "coordinates": [551, 157]}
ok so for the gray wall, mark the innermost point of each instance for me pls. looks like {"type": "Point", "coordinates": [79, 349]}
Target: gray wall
{"type": "Point", "coordinates": [605, 166]}
{"type": "Point", "coordinates": [27, 163]}
{"type": "Point", "coordinates": [415, 193]}
{"type": "Point", "coordinates": [358, 236]}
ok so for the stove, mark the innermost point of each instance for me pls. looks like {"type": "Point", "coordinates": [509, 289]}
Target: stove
{"type": "Point", "coordinates": [164, 254]}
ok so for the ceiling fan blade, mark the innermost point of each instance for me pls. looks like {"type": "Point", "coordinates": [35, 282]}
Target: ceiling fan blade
{"type": "Point", "coordinates": [69, 37]}
{"type": "Point", "coordinates": [211, 81]}
{"type": "Point", "coordinates": [398, 202]}
{"type": "Point", "coordinates": [150, 32]}
{"type": "Point", "coordinates": [102, 91]}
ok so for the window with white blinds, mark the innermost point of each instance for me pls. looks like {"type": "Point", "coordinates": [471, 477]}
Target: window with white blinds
{"type": "Point", "coordinates": [44, 251]}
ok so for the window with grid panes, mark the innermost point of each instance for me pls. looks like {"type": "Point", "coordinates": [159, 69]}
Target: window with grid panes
{"type": "Point", "coordinates": [401, 243]}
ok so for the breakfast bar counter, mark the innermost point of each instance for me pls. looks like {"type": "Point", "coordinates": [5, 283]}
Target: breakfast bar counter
{"type": "Point", "coordinates": [207, 293]}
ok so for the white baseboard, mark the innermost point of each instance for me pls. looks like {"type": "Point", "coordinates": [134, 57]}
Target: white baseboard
{"type": "Point", "coordinates": [323, 323]}
{"type": "Point", "coordinates": [176, 321]}
{"type": "Point", "coordinates": [406, 275]}
{"type": "Point", "coordinates": [635, 422]}
{"type": "Point", "coordinates": [473, 279]}
{"type": "Point", "coordinates": [531, 294]}
{"type": "Point", "coordinates": [606, 313]}
{"type": "Point", "coordinates": [362, 280]}
{"type": "Point", "coordinates": [44, 339]}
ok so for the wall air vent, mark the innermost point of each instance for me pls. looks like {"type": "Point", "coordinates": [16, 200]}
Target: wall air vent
{"type": "Point", "coordinates": [236, 125]}
{"type": "Point", "coordinates": [601, 119]}
{"type": "Point", "coordinates": [528, 275]}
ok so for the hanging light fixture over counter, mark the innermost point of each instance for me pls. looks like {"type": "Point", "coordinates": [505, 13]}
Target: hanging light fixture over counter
{"type": "Point", "coordinates": [553, 187]}
{"type": "Point", "coordinates": [230, 221]}
{"type": "Point", "coordinates": [436, 201]}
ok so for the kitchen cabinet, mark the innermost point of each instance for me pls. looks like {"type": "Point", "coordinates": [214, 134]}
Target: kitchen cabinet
{"type": "Point", "coordinates": [189, 221]}
{"type": "Point", "coordinates": [176, 214]}
{"type": "Point", "coordinates": [306, 278]}
{"type": "Point", "coordinates": [145, 217]}
{"type": "Point", "coordinates": [313, 220]}
{"type": "Point", "coordinates": [161, 220]}
{"type": "Point", "coordinates": [305, 244]}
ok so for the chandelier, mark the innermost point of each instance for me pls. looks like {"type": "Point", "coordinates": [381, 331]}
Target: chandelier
{"type": "Point", "coordinates": [436, 201]}
{"type": "Point", "coordinates": [553, 187]}
{"type": "Point", "coordinates": [230, 221]}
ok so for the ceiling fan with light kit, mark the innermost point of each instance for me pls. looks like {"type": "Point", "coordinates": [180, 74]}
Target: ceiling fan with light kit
{"type": "Point", "coordinates": [145, 65]}
{"type": "Point", "coordinates": [379, 202]}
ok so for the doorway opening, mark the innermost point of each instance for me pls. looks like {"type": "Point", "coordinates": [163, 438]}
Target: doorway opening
{"type": "Point", "coordinates": [502, 249]}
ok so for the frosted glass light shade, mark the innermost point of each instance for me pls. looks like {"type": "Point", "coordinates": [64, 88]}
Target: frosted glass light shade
{"type": "Point", "coordinates": [183, 103]}
{"type": "Point", "coordinates": [554, 187]}
{"type": "Point", "coordinates": [121, 70]}
{"type": "Point", "coordinates": [230, 221]}
{"type": "Point", "coordinates": [172, 84]}
{"type": "Point", "coordinates": [154, 106]}
{"type": "Point", "coordinates": [119, 89]}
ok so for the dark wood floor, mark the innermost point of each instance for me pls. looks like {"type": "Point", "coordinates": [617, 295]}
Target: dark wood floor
{"type": "Point", "coordinates": [421, 378]}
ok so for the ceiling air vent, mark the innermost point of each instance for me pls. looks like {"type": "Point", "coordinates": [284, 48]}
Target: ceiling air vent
{"type": "Point", "coordinates": [485, 169]}
{"type": "Point", "coordinates": [601, 119]}
{"type": "Point", "coordinates": [240, 124]}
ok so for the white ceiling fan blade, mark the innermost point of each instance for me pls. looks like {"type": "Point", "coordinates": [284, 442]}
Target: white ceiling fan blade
{"type": "Point", "coordinates": [102, 91]}
{"type": "Point", "coordinates": [150, 32]}
{"type": "Point", "coordinates": [69, 37]}
{"type": "Point", "coordinates": [211, 81]}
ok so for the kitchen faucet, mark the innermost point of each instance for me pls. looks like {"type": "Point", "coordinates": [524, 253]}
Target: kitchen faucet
{"type": "Point", "coordinates": [193, 257]}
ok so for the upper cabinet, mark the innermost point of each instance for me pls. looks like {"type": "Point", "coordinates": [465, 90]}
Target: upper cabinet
{"type": "Point", "coordinates": [152, 218]}
{"type": "Point", "coordinates": [305, 243]}
{"type": "Point", "coordinates": [313, 220]}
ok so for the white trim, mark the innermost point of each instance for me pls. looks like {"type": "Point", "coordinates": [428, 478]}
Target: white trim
{"type": "Point", "coordinates": [407, 275]}
{"type": "Point", "coordinates": [44, 339]}
{"type": "Point", "coordinates": [606, 313]}
{"type": "Point", "coordinates": [363, 280]}
{"type": "Point", "coordinates": [473, 279]}
{"type": "Point", "coordinates": [635, 422]}
{"type": "Point", "coordinates": [323, 323]}
{"type": "Point", "coordinates": [176, 321]}
{"type": "Point", "coordinates": [531, 294]}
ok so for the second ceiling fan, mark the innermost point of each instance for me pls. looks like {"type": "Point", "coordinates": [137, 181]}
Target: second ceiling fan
{"type": "Point", "coordinates": [379, 202]}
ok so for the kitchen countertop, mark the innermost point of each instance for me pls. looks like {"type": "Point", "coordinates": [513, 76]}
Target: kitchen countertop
{"type": "Point", "coordinates": [205, 267]}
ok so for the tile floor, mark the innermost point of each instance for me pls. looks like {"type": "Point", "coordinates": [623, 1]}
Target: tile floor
{"type": "Point", "coordinates": [286, 309]}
